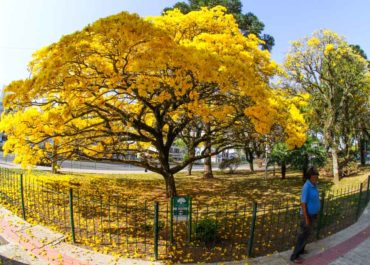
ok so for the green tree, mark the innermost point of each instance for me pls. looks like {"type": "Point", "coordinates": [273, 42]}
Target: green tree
{"type": "Point", "coordinates": [336, 78]}
{"type": "Point", "coordinates": [248, 22]}
{"type": "Point", "coordinates": [281, 155]}
{"type": "Point", "coordinates": [357, 49]}
{"type": "Point", "coordinates": [312, 153]}
{"type": "Point", "coordinates": [363, 130]}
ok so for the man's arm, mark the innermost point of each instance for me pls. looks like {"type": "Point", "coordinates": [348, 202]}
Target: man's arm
{"type": "Point", "coordinates": [305, 213]}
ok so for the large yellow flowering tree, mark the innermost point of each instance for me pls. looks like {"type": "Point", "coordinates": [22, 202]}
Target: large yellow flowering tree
{"type": "Point", "coordinates": [123, 89]}
{"type": "Point", "coordinates": [337, 80]}
{"type": "Point", "coordinates": [217, 32]}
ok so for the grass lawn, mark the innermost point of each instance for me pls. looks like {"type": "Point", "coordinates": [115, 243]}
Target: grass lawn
{"type": "Point", "coordinates": [242, 186]}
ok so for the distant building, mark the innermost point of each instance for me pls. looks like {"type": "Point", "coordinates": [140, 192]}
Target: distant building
{"type": "Point", "coordinates": [177, 153]}
{"type": "Point", "coordinates": [225, 155]}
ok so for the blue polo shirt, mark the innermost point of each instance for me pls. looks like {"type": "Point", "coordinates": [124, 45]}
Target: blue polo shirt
{"type": "Point", "coordinates": [310, 196]}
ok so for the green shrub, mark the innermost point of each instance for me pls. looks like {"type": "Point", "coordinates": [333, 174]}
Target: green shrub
{"type": "Point", "coordinates": [206, 230]}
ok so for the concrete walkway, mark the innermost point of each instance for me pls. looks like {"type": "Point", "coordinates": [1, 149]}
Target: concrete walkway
{"type": "Point", "coordinates": [23, 243]}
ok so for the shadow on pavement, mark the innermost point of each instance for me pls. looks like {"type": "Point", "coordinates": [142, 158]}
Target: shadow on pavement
{"type": "Point", "coordinates": [6, 261]}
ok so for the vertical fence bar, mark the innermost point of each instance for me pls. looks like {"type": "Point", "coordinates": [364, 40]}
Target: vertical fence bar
{"type": "Point", "coordinates": [109, 221]}
{"type": "Point", "coordinates": [190, 219]}
{"type": "Point", "coordinates": [22, 196]}
{"type": "Point", "coordinates": [319, 222]}
{"type": "Point", "coordinates": [71, 215]}
{"type": "Point", "coordinates": [101, 219]}
{"type": "Point", "coordinates": [145, 225]}
{"type": "Point", "coordinates": [171, 220]}
{"type": "Point", "coordinates": [359, 203]}
{"type": "Point", "coordinates": [367, 189]}
{"type": "Point", "coordinates": [251, 234]}
{"type": "Point", "coordinates": [166, 224]}
{"type": "Point", "coordinates": [156, 229]}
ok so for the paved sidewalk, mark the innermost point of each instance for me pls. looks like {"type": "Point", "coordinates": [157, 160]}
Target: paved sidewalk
{"type": "Point", "coordinates": [23, 243]}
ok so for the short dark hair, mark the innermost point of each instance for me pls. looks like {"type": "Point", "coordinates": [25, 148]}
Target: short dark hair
{"type": "Point", "coordinates": [312, 171]}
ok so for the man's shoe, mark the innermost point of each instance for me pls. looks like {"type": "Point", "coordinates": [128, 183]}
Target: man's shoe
{"type": "Point", "coordinates": [297, 260]}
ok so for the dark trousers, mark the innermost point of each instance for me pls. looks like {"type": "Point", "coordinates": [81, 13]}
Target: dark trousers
{"type": "Point", "coordinates": [303, 236]}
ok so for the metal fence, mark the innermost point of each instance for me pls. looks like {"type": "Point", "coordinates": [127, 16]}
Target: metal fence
{"type": "Point", "coordinates": [211, 232]}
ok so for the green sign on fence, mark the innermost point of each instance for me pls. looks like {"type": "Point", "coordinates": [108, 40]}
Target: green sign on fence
{"type": "Point", "coordinates": [180, 208]}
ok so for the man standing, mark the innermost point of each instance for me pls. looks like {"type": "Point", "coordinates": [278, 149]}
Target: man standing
{"type": "Point", "coordinates": [310, 207]}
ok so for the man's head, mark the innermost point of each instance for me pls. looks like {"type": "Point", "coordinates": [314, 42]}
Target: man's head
{"type": "Point", "coordinates": [312, 174]}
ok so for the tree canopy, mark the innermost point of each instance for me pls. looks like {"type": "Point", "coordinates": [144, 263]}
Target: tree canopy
{"type": "Point", "coordinates": [336, 78]}
{"type": "Point", "coordinates": [123, 89]}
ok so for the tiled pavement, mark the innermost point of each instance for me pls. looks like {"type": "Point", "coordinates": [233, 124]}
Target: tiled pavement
{"type": "Point", "coordinates": [22, 243]}
{"type": "Point", "coordinates": [349, 248]}
{"type": "Point", "coordinates": [359, 255]}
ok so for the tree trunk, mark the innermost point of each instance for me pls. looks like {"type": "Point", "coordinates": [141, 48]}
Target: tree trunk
{"type": "Point", "coordinates": [208, 174]}
{"type": "Point", "coordinates": [363, 152]}
{"type": "Point", "coordinates": [190, 167]}
{"type": "Point", "coordinates": [283, 169]}
{"type": "Point", "coordinates": [191, 154]}
{"type": "Point", "coordinates": [251, 165]}
{"type": "Point", "coordinates": [334, 156]}
{"type": "Point", "coordinates": [54, 162]}
{"type": "Point", "coordinates": [170, 185]}
{"type": "Point", "coordinates": [165, 170]}
{"type": "Point", "coordinates": [54, 167]}
{"type": "Point", "coordinates": [266, 163]}
{"type": "Point", "coordinates": [249, 157]}
{"type": "Point", "coordinates": [305, 167]}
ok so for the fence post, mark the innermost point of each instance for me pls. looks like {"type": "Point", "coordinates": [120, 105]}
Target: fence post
{"type": "Point", "coordinates": [190, 219]}
{"type": "Point", "coordinates": [251, 233]}
{"type": "Point", "coordinates": [359, 203]}
{"type": "Point", "coordinates": [71, 215]}
{"type": "Point", "coordinates": [22, 196]}
{"type": "Point", "coordinates": [367, 189]}
{"type": "Point", "coordinates": [171, 220]}
{"type": "Point", "coordinates": [156, 215]}
{"type": "Point", "coordinates": [321, 215]}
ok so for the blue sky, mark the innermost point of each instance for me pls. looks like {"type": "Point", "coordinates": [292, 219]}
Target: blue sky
{"type": "Point", "coordinates": [26, 25]}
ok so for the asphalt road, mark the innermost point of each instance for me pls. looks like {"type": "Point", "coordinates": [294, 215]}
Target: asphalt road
{"type": "Point", "coordinates": [92, 165]}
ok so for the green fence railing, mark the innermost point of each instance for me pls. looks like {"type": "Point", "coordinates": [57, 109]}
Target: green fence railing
{"type": "Point", "coordinates": [211, 232]}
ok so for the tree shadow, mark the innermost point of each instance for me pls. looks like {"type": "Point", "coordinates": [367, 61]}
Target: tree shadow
{"type": "Point", "coordinates": [6, 261]}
